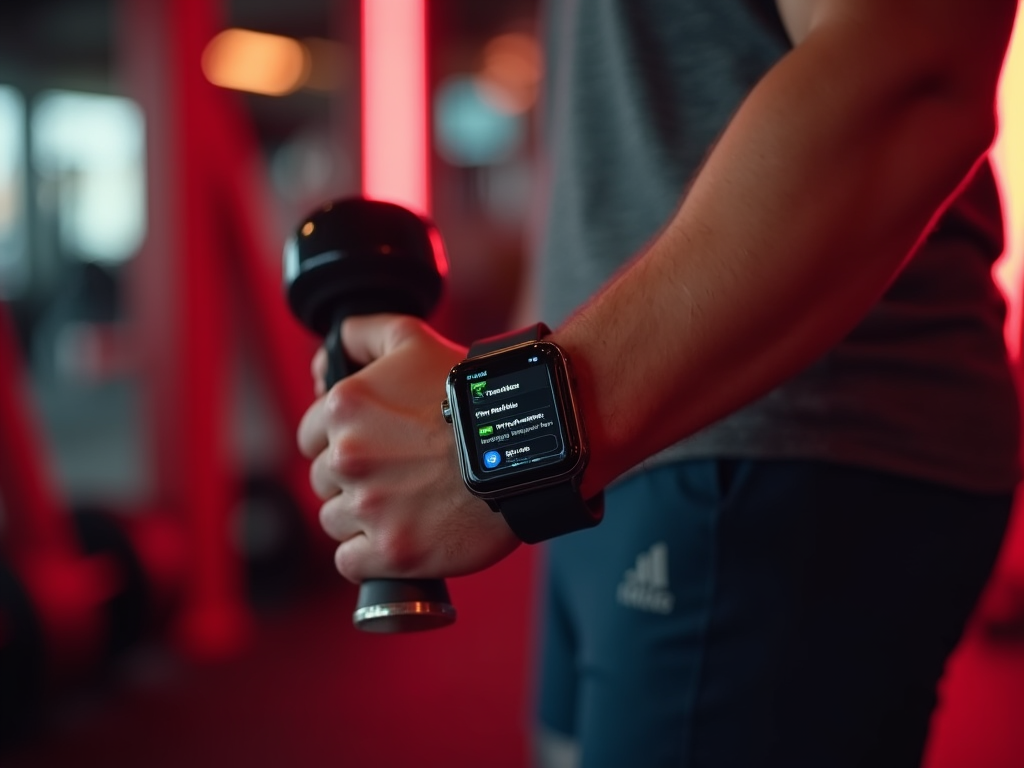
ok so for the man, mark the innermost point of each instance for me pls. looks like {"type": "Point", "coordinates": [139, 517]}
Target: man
{"type": "Point", "coordinates": [796, 398]}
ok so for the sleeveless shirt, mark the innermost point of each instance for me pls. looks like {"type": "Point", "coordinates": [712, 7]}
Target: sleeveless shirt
{"type": "Point", "coordinates": [637, 92]}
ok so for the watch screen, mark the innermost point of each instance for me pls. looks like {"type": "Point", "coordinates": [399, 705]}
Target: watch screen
{"type": "Point", "coordinates": [510, 414]}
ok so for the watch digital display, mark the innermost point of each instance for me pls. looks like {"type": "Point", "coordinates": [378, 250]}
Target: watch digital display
{"type": "Point", "coordinates": [515, 424]}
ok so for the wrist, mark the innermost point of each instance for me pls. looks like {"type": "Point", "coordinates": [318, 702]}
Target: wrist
{"type": "Point", "coordinates": [601, 467]}
{"type": "Point", "coordinates": [519, 438]}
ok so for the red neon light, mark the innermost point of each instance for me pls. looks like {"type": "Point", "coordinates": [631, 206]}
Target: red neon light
{"type": "Point", "coordinates": [394, 102]}
{"type": "Point", "coordinates": [440, 255]}
{"type": "Point", "coordinates": [1008, 156]}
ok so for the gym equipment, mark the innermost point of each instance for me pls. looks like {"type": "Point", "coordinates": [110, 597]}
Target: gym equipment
{"type": "Point", "coordinates": [51, 593]}
{"type": "Point", "coordinates": [22, 659]}
{"type": "Point", "coordinates": [77, 587]}
{"type": "Point", "coordinates": [271, 534]}
{"type": "Point", "coordinates": [129, 607]}
{"type": "Point", "coordinates": [358, 256]}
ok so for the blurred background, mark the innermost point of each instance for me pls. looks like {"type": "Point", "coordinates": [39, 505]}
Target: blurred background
{"type": "Point", "coordinates": [165, 594]}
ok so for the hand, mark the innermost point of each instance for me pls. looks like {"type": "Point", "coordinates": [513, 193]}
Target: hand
{"type": "Point", "coordinates": [385, 462]}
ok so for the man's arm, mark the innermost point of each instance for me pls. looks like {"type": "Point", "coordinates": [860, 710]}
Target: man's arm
{"type": "Point", "coordinates": [805, 210]}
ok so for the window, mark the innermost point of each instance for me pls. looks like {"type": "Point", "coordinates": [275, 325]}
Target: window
{"type": "Point", "coordinates": [14, 270]}
{"type": "Point", "coordinates": [88, 150]}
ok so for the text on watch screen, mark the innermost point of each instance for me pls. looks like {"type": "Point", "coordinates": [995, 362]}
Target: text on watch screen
{"type": "Point", "coordinates": [514, 418]}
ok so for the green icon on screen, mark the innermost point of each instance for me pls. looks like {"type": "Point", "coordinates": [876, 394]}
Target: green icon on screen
{"type": "Point", "coordinates": [486, 431]}
{"type": "Point", "coordinates": [476, 389]}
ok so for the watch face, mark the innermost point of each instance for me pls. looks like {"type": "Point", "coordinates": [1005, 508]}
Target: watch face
{"type": "Point", "coordinates": [515, 419]}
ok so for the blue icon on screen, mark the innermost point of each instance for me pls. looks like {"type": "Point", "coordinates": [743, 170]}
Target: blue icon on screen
{"type": "Point", "coordinates": [492, 459]}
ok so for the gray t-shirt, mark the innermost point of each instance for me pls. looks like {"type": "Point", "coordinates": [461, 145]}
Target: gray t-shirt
{"type": "Point", "coordinates": [638, 90]}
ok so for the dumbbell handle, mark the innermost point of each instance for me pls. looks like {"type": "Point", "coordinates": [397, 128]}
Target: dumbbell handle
{"type": "Point", "coordinates": [389, 605]}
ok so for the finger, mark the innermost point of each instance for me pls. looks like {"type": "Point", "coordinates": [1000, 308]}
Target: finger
{"type": "Point", "coordinates": [367, 337]}
{"type": "Point", "coordinates": [351, 556]}
{"type": "Point", "coordinates": [354, 549]}
{"type": "Point", "coordinates": [354, 546]}
{"type": "Point", "coordinates": [318, 370]}
{"type": "Point", "coordinates": [337, 521]}
{"type": "Point", "coordinates": [322, 480]}
{"type": "Point", "coordinates": [312, 434]}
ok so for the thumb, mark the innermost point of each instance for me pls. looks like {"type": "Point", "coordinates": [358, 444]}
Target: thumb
{"type": "Point", "coordinates": [367, 337]}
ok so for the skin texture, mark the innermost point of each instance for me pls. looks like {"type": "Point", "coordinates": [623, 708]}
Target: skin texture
{"type": "Point", "coordinates": [378, 437]}
{"type": "Point", "coordinates": [814, 197]}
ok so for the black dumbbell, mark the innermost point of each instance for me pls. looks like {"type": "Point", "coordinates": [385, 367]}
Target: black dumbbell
{"type": "Point", "coordinates": [357, 256]}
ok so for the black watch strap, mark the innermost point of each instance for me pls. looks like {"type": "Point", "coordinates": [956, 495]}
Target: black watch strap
{"type": "Point", "coordinates": [548, 512]}
{"type": "Point", "coordinates": [534, 332]}
{"type": "Point", "coordinates": [551, 511]}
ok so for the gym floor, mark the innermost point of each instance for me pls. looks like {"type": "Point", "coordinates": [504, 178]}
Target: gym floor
{"type": "Point", "coordinates": [310, 691]}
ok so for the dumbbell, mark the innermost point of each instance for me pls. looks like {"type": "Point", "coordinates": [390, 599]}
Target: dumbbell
{"type": "Point", "coordinates": [357, 256]}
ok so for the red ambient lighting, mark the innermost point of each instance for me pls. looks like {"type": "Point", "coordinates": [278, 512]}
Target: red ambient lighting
{"type": "Point", "coordinates": [440, 255]}
{"type": "Point", "coordinates": [394, 102]}
{"type": "Point", "coordinates": [1008, 154]}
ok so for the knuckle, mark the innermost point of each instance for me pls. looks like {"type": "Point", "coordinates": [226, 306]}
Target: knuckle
{"type": "Point", "coordinates": [405, 327]}
{"type": "Point", "coordinates": [399, 551]}
{"type": "Point", "coordinates": [367, 506]}
{"type": "Point", "coordinates": [345, 458]}
{"type": "Point", "coordinates": [343, 400]}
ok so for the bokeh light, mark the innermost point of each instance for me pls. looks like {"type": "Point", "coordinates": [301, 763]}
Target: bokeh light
{"type": "Point", "coordinates": [256, 62]}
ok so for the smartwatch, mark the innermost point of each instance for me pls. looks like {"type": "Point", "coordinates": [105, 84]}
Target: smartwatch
{"type": "Point", "coordinates": [520, 439]}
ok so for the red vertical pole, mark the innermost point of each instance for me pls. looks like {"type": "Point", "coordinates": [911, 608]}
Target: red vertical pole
{"type": "Point", "coordinates": [254, 259]}
{"type": "Point", "coordinates": [394, 102]}
{"type": "Point", "coordinates": [67, 590]}
{"type": "Point", "coordinates": [36, 519]}
{"type": "Point", "coordinates": [179, 295]}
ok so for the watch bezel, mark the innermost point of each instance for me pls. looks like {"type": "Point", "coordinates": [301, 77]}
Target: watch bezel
{"type": "Point", "coordinates": [576, 454]}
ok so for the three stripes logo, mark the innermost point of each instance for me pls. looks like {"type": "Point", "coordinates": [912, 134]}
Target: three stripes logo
{"type": "Point", "coordinates": [645, 586]}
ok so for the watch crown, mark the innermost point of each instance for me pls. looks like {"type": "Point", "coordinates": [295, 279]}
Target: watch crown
{"type": "Point", "coordinates": [446, 411]}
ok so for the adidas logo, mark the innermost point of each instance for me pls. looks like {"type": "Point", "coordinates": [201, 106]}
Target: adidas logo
{"type": "Point", "coordinates": [645, 587]}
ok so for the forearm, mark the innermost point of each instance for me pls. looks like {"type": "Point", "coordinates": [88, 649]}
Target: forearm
{"type": "Point", "coordinates": [803, 213]}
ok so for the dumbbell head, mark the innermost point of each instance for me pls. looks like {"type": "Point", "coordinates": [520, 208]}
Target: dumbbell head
{"type": "Point", "coordinates": [358, 256]}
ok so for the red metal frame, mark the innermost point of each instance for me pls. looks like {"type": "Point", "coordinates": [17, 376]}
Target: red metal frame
{"type": "Point", "coordinates": [209, 252]}
{"type": "Point", "coordinates": [67, 590]}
